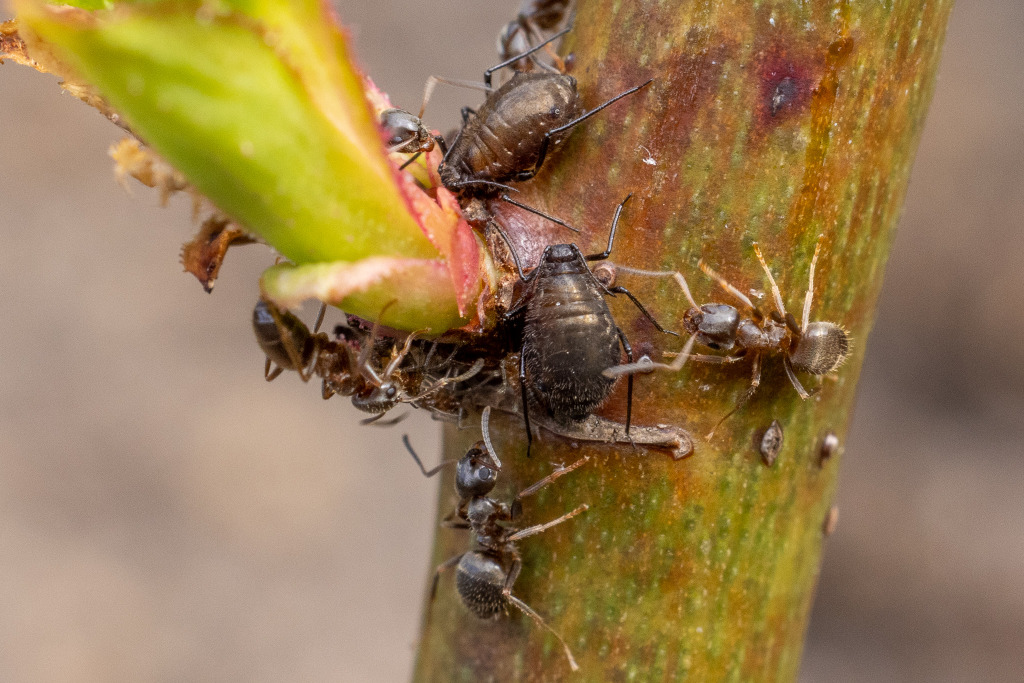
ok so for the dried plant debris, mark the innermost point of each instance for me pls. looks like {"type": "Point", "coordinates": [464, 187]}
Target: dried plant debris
{"type": "Point", "coordinates": [132, 158]}
{"type": "Point", "coordinates": [203, 254]}
{"type": "Point", "coordinates": [771, 443]}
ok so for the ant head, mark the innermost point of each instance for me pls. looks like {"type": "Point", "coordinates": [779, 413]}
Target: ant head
{"type": "Point", "coordinates": [821, 348]}
{"type": "Point", "coordinates": [404, 131]}
{"type": "Point", "coordinates": [475, 475]}
{"type": "Point", "coordinates": [379, 399]}
{"type": "Point", "coordinates": [714, 325]}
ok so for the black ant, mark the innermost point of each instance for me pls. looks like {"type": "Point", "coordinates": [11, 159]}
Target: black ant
{"type": "Point", "coordinates": [484, 576]}
{"type": "Point", "coordinates": [289, 344]}
{"type": "Point", "coordinates": [817, 347]}
{"type": "Point", "coordinates": [569, 335]}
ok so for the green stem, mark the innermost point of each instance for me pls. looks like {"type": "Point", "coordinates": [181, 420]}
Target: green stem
{"type": "Point", "coordinates": [768, 122]}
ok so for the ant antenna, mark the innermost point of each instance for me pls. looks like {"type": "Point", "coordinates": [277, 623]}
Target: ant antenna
{"type": "Point", "coordinates": [771, 279]}
{"type": "Point", "coordinates": [485, 427]}
{"type": "Point", "coordinates": [426, 473]}
{"type": "Point", "coordinates": [724, 284]}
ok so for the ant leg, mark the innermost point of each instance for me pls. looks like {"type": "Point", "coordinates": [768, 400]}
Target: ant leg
{"type": "Point", "coordinates": [539, 528]}
{"type": "Point", "coordinates": [269, 375]}
{"type": "Point", "coordinates": [526, 402]}
{"type": "Point", "coordinates": [546, 141]}
{"type": "Point", "coordinates": [441, 568]}
{"type": "Point", "coordinates": [537, 212]}
{"type": "Point", "coordinates": [629, 379]}
{"type": "Point", "coordinates": [320, 318]}
{"type": "Point", "coordinates": [516, 58]}
{"type": "Point", "coordinates": [611, 233]}
{"type": "Point", "coordinates": [771, 279]}
{"type": "Point", "coordinates": [724, 284]}
{"type": "Point", "coordinates": [623, 290]}
{"type": "Point", "coordinates": [397, 360]}
{"type": "Point", "coordinates": [326, 391]}
{"type": "Point", "coordinates": [294, 354]}
{"type": "Point", "coordinates": [441, 383]}
{"type": "Point", "coordinates": [557, 474]}
{"type": "Point", "coordinates": [804, 394]}
{"type": "Point", "coordinates": [528, 611]}
{"type": "Point", "coordinates": [648, 365]}
{"type": "Point", "coordinates": [427, 474]}
{"type": "Point", "coordinates": [810, 283]}
{"type": "Point", "coordinates": [377, 420]}
{"type": "Point", "coordinates": [755, 381]}
{"type": "Point", "coordinates": [466, 114]}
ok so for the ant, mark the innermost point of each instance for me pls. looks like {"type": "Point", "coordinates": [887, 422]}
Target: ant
{"type": "Point", "coordinates": [817, 348]}
{"type": "Point", "coordinates": [569, 335]}
{"type": "Point", "coordinates": [484, 576]}
{"type": "Point", "coordinates": [289, 344]}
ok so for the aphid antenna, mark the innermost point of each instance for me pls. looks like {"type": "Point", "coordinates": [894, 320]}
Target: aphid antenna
{"type": "Point", "coordinates": [537, 212]}
{"type": "Point", "coordinates": [516, 58]}
{"type": "Point", "coordinates": [587, 115]}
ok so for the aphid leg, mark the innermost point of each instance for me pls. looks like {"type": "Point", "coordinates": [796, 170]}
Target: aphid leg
{"type": "Point", "coordinates": [426, 473]}
{"type": "Point", "coordinates": [442, 568]}
{"type": "Point", "coordinates": [771, 279]}
{"type": "Point", "coordinates": [810, 283]}
{"type": "Point", "coordinates": [467, 113]}
{"type": "Point", "coordinates": [516, 58]}
{"type": "Point", "coordinates": [528, 611]}
{"type": "Point", "coordinates": [804, 394]}
{"type": "Point", "coordinates": [623, 290]}
{"type": "Point", "coordinates": [320, 318]}
{"type": "Point", "coordinates": [539, 528]}
{"type": "Point", "coordinates": [537, 212]}
{"type": "Point", "coordinates": [724, 284]}
{"type": "Point", "coordinates": [557, 474]}
{"type": "Point", "coordinates": [629, 379]}
{"type": "Point", "coordinates": [268, 374]}
{"type": "Point", "coordinates": [611, 233]}
{"type": "Point", "coordinates": [755, 381]}
{"type": "Point", "coordinates": [546, 142]}
{"type": "Point", "coordinates": [515, 256]}
{"type": "Point", "coordinates": [526, 402]}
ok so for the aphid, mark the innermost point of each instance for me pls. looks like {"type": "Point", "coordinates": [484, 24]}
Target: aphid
{"type": "Point", "coordinates": [828, 526]}
{"type": "Point", "coordinates": [817, 347]}
{"type": "Point", "coordinates": [508, 138]}
{"type": "Point", "coordinates": [829, 447]}
{"type": "Point", "coordinates": [290, 345]}
{"type": "Point", "coordinates": [484, 576]}
{"type": "Point", "coordinates": [569, 335]}
{"type": "Point", "coordinates": [771, 443]}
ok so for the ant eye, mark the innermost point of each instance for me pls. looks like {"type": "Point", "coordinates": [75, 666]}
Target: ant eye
{"type": "Point", "coordinates": [391, 392]}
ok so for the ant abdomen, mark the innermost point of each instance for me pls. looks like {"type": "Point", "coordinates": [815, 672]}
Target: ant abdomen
{"type": "Point", "coordinates": [480, 579]}
{"type": "Point", "coordinates": [822, 347]}
{"type": "Point", "coordinates": [276, 336]}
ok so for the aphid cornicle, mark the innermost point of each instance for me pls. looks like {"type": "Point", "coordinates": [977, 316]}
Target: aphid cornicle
{"type": "Point", "coordinates": [484, 576]}
{"type": "Point", "coordinates": [817, 348]}
{"type": "Point", "coordinates": [569, 334]}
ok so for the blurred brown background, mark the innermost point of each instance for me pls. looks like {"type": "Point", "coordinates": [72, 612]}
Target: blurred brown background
{"type": "Point", "coordinates": [166, 515]}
